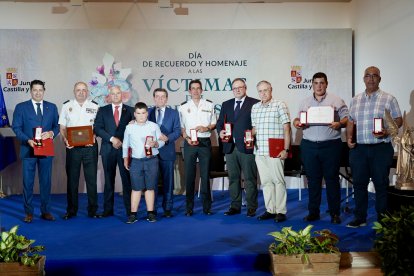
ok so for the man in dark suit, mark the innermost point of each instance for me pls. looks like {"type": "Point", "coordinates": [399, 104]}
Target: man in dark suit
{"type": "Point", "coordinates": [239, 155]}
{"type": "Point", "coordinates": [169, 123]}
{"type": "Point", "coordinates": [110, 124]}
{"type": "Point", "coordinates": [27, 116]}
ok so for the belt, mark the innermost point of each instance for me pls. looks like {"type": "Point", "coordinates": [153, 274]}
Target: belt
{"type": "Point", "coordinates": [145, 158]}
{"type": "Point", "coordinates": [203, 139]}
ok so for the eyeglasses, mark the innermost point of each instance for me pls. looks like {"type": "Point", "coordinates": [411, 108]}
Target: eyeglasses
{"type": "Point", "coordinates": [373, 76]}
{"type": "Point", "coordinates": [235, 89]}
{"type": "Point", "coordinates": [264, 90]}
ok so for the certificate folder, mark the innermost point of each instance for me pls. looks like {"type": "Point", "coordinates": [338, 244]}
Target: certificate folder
{"type": "Point", "coordinates": [276, 145]}
{"type": "Point", "coordinates": [47, 148]}
{"type": "Point", "coordinates": [80, 136]}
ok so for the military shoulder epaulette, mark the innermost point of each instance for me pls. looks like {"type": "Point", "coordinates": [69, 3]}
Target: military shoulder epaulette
{"type": "Point", "coordinates": [183, 102]}
{"type": "Point", "coordinates": [66, 101]}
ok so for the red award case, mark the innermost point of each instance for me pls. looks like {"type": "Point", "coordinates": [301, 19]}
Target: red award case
{"type": "Point", "coordinates": [276, 145]}
{"type": "Point", "coordinates": [148, 148]}
{"type": "Point", "coordinates": [46, 149]}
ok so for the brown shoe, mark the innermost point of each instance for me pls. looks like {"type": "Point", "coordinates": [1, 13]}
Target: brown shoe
{"type": "Point", "coordinates": [28, 218]}
{"type": "Point", "coordinates": [47, 216]}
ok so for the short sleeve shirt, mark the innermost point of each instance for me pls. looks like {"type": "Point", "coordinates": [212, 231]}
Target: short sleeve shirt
{"type": "Point", "coordinates": [192, 116]}
{"type": "Point", "coordinates": [324, 133]}
{"type": "Point", "coordinates": [268, 120]}
{"type": "Point", "coordinates": [364, 109]}
{"type": "Point", "coordinates": [73, 114]}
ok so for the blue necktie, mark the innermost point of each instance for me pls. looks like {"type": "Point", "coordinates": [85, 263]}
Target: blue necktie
{"type": "Point", "coordinates": [159, 118]}
{"type": "Point", "coordinates": [39, 112]}
{"type": "Point", "coordinates": [237, 109]}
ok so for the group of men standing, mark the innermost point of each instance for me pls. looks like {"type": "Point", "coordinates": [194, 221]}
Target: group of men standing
{"type": "Point", "coordinates": [240, 119]}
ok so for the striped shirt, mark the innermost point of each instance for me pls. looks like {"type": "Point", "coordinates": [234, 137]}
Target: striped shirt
{"type": "Point", "coordinates": [268, 120]}
{"type": "Point", "coordinates": [364, 109]}
{"type": "Point", "coordinates": [135, 136]}
{"type": "Point", "coordinates": [318, 133]}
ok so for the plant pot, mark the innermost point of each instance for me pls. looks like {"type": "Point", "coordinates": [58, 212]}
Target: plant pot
{"type": "Point", "coordinates": [17, 269]}
{"type": "Point", "coordinates": [319, 263]}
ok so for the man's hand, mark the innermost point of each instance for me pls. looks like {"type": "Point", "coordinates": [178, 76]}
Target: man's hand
{"type": "Point", "coordinates": [335, 125]}
{"type": "Point", "coordinates": [163, 137]}
{"type": "Point", "coordinates": [116, 143]}
{"type": "Point", "coordinates": [126, 163]}
{"type": "Point", "coordinates": [202, 129]}
{"type": "Point", "coordinates": [350, 144]}
{"type": "Point", "coordinates": [31, 143]}
{"type": "Point", "coordinates": [222, 134]}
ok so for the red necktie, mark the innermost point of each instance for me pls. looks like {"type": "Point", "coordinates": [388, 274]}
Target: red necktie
{"type": "Point", "coordinates": [116, 115]}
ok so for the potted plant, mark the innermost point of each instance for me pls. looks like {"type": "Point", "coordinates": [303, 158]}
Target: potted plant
{"type": "Point", "coordinates": [301, 252]}
{"type": "Point", "coordinates": [18, 256]}
{"type": "Point", "coordinates": [394, 241]}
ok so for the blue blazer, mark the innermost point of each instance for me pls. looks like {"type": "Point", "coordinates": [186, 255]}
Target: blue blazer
{"type": "Point", "coordinates": [105, 127]}
{"type": "Point", "coordinates": [171, 128]}
{"type": "Point", "coordinates": [239, 126]}
{"type": "Point", "coordinates": [25, 120]}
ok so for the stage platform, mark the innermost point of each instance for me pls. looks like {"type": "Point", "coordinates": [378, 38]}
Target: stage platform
{"type": "Point", "coordinates": [180, 245]}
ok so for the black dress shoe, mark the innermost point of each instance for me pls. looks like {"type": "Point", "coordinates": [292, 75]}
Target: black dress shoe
{"type": "Point", "coordinates": [336, 219]}
{"type": "Point", "coordinates": [266, 215]}
{"type": "Point", "coordinates": [108, 214]}
{"type": "Point", "coordinates": [96, 216]}
{"type": "Point", "coordinates": [167, 214]}
{"type": "Point", "coordinates": [189, 213]}
{"type": "Point", "coordinates": [251, 213]}
{"type": "Point", "coordinates": [280, 217]}
{"type": "Point", "coordinates": [207, 212]}
{"type": "Point", "coordinates": [232, 212]}
{"type": "Point", "coordinates": [68, 216]}
{"type": "Point", "coordinates": [312, 217]}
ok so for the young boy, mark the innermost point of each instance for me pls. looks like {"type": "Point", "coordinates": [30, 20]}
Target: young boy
{"type": "Point", "coordinates": [143, 137]}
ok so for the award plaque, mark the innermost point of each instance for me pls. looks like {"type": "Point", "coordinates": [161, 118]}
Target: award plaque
{"type": "Point", "coordinates": [79, 136]}
{"type": "Point", "coordinates": [377, 126]}
{"type": "Point", "coordinates": [227, 136]}
{"type": "Point", "coordinates": [37, 131]}
{"type": "Point", "coordinates": [303, 118]}
{"type": "Point", "coordinates": [193, 136]}
{"type": "Point", "coordinates": [320, 115]}
{"type": "Point", "coordinates": [148, 148]}
{"type": "Point", "coordinates": [248, 139]}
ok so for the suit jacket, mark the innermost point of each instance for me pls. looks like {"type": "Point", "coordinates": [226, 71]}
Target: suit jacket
{"type": "Point", "coordinates": [171, 128]}
{"type": "Point", "coordinates": [105, 127]}
{"type": "Point", "coordinates": [25, 120]}
{"type": "Point", "coordinates": [239, 126]}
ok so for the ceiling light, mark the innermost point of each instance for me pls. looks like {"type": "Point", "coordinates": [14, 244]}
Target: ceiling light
{"type": "Point", "coordinates": [76, 2]}
{"type": "Point", "coordinates": [164, 4]}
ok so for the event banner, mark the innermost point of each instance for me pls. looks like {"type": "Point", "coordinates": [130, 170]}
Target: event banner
{"type": "Point", "coordinates": [140, 61]}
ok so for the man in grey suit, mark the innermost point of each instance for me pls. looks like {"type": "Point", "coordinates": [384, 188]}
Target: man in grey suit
{"type": "Point", "coordinates": [169, 123]}
{"type": "Point", "coordinates": [239, 157]}
{"type": "Point", "coordinates": [110, 124]}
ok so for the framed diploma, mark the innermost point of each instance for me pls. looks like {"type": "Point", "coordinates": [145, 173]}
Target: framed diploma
{"type": "Point", "coordinates": [148, 148]}
{"type": "Point", "coordinates": [193, 136]}
{"type": "Point", "coordinates": [37, 136]}
{"type": "Point", "coordinates": [227, 129]}
{"type": "Point", "coordinates": [320, 115]}
{"type": "Point", "coordinates": [377, 126]}
{"type": "Point", "coordinates": [79, 136]}
{"type": "Point", "coordinates": [248, 139]}
{"type": "Point", "coordinates": [303, 118]}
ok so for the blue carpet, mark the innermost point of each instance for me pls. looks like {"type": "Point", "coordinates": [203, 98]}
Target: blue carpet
{"type": "Point", "coordinates": [200, 244]}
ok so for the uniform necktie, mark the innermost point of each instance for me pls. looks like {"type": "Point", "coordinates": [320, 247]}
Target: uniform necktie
{"type": "Point", "coordinates": [39, 112]}
{"type": "Point", "coordinates": [116, 115]}
{"type": "Point", "coordinates": [159, 118]}
{"type": "Point", "coordinates": [237, 109]}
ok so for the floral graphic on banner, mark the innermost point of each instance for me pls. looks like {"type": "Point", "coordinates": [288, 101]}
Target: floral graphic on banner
{"type": "Point", "coordinates": [109, 74]}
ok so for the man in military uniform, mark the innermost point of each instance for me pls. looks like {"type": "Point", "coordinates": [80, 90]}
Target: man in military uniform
{"type": "Point", "coordinates": [197, 120]}
{"type": "Point", "coordinates": [80, 112]}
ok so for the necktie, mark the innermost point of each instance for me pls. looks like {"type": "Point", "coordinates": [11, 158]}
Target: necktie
{"type": "Point", "coordinates": [116, 115]}
{"type": "Point", "coordinates": [237, 109]}
{"type": "Point", "coordinates": [159, 118]}
{"type": "Point", "coordinates": [39, 112]}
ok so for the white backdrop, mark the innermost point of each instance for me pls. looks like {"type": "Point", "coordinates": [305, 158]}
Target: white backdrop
{"type": "Point", "coordinates": [170, 59]}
